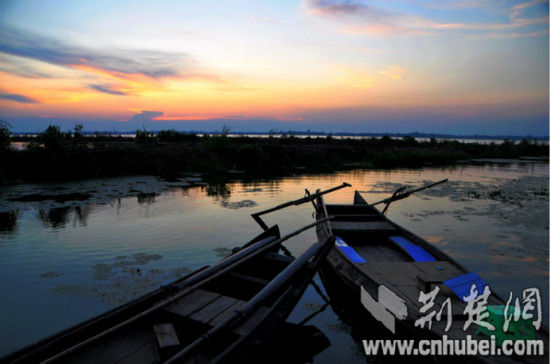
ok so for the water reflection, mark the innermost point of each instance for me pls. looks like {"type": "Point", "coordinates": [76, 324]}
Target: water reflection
{"type": "Point", "coordinates": [503, 237]}
{"type": "Point", "coordinates": [8, 221]}
{"type": "Point", "coordinates": [220, 191]}
{"type": "Point", "coordinates": [146, 198]}
{"type": "Point", "coordinates": [57, 218]}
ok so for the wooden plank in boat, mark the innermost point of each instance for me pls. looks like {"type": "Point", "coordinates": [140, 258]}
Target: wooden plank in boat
{"type": "Point", "coordinates": [393, 253]}
{"type": "Point", "coordinates": [191, 303]}
{"type": "Point", "coordinates": [393, 273]}
{"type": "Point", "coordinates": [129, 345]}
{"type": "Point", "coordinates": [145, 354]}
{"type": "Point", "coordinates": [259, 315]}
{"type": "Point", "coordinates": [249, 278]}
{"type": "Point", "coordinates": [370, 252]}
{"type": "Point", "coordinates": [361, 225]}
{"type": "Point", "coordinates": [380, 252]}
{"type": "Point", "coordinates": [438, 270]}
{"type": "Point", "coordinates": [228, 312]}
{"type": "Point", "coordinates": [410, 293]}
{"type": "Point", "coordinates": [214, 308]}
{"type": "Point", "coordinates": [166, 335]}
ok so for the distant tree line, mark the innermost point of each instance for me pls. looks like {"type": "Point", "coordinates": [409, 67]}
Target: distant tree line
{"type": "Point", "coordinates": [56, 154]}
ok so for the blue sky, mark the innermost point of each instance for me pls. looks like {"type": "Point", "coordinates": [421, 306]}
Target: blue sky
{"type": "Point", "coordinates": [459, 67]}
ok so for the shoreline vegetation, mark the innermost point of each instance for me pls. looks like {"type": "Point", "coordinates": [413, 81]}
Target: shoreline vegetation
{"type": "Point", "coordinates": [54, 155]}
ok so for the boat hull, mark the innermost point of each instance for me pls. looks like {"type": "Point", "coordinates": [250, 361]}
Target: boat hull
{"type": "Point", "coordinates": [366, 262]}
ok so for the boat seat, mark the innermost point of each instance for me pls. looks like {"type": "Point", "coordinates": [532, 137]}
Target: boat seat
{"type": "Point", "coordinates": [205, 306]}
{"type": "Point", "coordinates": [416, 252]}
{"type": "Point", "coordinates": [348, 251]}
{"type": "Point", "coordinates": [361, 226]}
{"type": "Point", "coordinates": [350, 209]}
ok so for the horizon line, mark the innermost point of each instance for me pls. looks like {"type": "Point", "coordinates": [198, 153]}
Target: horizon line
{"type": "Point", "coordinates": [314, 133]}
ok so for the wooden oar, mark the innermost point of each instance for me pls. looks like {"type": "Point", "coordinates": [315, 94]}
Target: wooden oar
{"type": "Point", "coordinates": [399, 194]}
{"type": "Point", "coordinates": [256, 215]}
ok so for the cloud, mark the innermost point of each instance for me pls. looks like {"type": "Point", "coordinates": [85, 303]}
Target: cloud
{"type": "Point", "coordinates": [515, 23]}
{"type": "Point", "coordinates": [145, 116]}
{"type": "Point", "coordinates": [119, 64]}
{"type": "Point", "coordinates": [108, 89]}
{"type": "Point", "coordinates": [347, 7]}
{"type": "Point", "coordinates": [517, 9]}
{"type": "Point", "coordinates": [18, 98]}
{"type": "Point", "coordinates": [20, 67]}
{"type": "Point", "coordinates": [393, 72]}
{"type": "Point", "coordinates": [459, 4]}
{"type": "Point", "coordinates": [361, 18]}
{"type": "Point", "coordinates": [369, 19]}
{"type": "Point", "coordinates": [515, 35]}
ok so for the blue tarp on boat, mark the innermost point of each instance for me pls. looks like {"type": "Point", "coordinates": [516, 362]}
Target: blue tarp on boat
{"type": "Point", "coordinates": [462, 285]}
{"type": "Point", "coordinates": [348, 251]}
{"type": "Point", "coordinates": [418, 253]}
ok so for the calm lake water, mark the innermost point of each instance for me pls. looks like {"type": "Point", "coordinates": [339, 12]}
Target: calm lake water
{"type": "Point", "coordinates": [63, 262]}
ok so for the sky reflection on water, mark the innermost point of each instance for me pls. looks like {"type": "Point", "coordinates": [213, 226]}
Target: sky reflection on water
{"type": "Point", "coordinates": [63, 263]}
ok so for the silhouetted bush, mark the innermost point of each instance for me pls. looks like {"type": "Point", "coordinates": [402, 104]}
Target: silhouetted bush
{"type": "Point", "coordinates": [409, 141]}
{"type": "Point", "coordinates": [52, 138]}
{"type": "Point", "coordinates": [5, 132]}
{"type": "Point", "coordinates": [386, 140]}
{"type": "Point", "coordinates": [173, 136]}
{"type": "Point", "coordinates": [77, 137]}
{"type": "Point", "coordinates": [145, 137]}
{"type": "Point", "coordinates": [113, 155]}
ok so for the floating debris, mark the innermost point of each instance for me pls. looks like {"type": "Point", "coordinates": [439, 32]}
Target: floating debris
{"type": "Point", "coordinates": [51, 274]}
{"type": "Point", "coordinates": [223, 252]}
{"type": "Point", "coordinates": [116, 287]}
{"type": "Point", "coordinates": [137, 259]}
{"type": "Point", "coordinates": [88, 192]}
{"type": "Point", "coordinates": [103, 271]}
{"type": "Point", "coordinates": [177, 272]}
{"type": "Point", "coordinates": [238, 204]}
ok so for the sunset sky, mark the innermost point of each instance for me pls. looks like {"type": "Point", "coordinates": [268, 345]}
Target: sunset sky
{"type": "Point", "coordinates": [444, 66]}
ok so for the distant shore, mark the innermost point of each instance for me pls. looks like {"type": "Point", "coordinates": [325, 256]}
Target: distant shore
{"type": "Point", "coordinates": [468, 138]}
{"type": "Point", "coordinates": [56, 156]}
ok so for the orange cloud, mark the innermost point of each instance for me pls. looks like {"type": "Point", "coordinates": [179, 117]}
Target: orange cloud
{"type": "Point", "coordinates": [393, 72]}
{"type": "Point", "coordinates": [189, 117]}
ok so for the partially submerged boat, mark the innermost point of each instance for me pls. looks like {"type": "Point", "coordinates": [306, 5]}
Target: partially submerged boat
{"type": "Point", "coordinates": [228, 312]}
{"type": "Point", "coordinates": [397, 285]}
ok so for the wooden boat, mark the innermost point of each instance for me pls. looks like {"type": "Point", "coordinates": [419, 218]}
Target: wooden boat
{"type": "Point", "coordinates": [227, 312]}
{"type": "Point", "coordinates": [376, 271]}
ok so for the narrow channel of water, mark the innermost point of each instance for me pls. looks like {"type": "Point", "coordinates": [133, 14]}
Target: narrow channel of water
{"type": "Point", "coordinates": [66, 261]}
